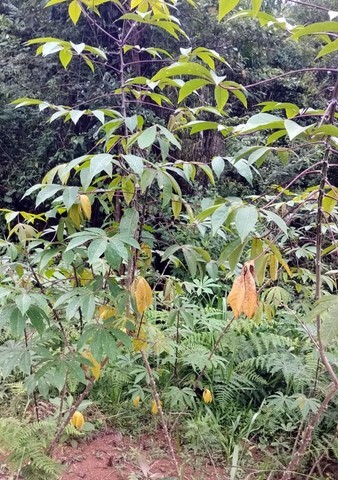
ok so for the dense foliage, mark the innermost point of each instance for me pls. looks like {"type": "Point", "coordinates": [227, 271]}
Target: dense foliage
{"type": "Point", "coordinates": [179, 255]}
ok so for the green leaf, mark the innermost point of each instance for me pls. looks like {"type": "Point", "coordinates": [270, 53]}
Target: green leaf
{"type": "Point", "coordinates": [96, 249]}
{"type": "Point", "coordinates": [277, 220]}
{"type": "Point", "coordinates": [69, 196]}
{"type": "Point", "coordinates": [245, 221]}
{"type": "Point", "coordinates": [256, 6]}
{"type": "Point", "coordinates": [75, 115]}
{"type": "Point", "coordinates": [54, 2]}
{"type": "Point", "coordinates": [17, 322]}
{"type": "Point", "coordinates": [218, 218]}
{"type": "Point", "coordinates": [147, 138]}
{"type": "Point", "coordinates": [147, 178]}
{"type": "Point", "coordinates": [178, 68]}
{"type": "Point", "coordinates": [241, 97]}
{"type": "Point", "coordinates": [221, 97]}
{"type": "Point", "coordinates": [118, 246]}
{"type": "Point", "coordinates": [225, 6]}
{"type": "Point", "coordinates": [207, 170]}
{"type": "Point", "coordinates": [112, 257]}
{"type": "Point", "coordinates": [47, 192]}
{"type": "Point", "coordinates": [190, 257]}
{"type": "Point", "coordinates": [23, 302]}
{"type": "Point", "coordinates": [319, 27]}
{"type": "Point", "coordinates": [74, 11]}
{"type": "Point", "coordinates": [190, 87]}
{"type": "Point", "coordinates": [330, 201]}
{"type": "Point", "coordinates": [169, 136]}
{"type": "Point", "coordinates": [88, 306]}
{"type": "Point", "coordinates": [243, 168]}
{"type": "Point", "coordinates": [135, 163]}
{"type": "Point", "coordinates": [129, 222]}
{"type": "Point", "coordinates": [275, 136]}
{"type": "Point", "coordinates": [65, 57]}
{"type": "Point", "coordinates": [293, 129]}
{"type": "Point", "coordinates": [38, 318]}
{"type": "Point", "coordinates": [217, 164]}
{"type": "Point", "coordinates": [261, 121]}
{"type": "Point", "coordinates": [258, 156]}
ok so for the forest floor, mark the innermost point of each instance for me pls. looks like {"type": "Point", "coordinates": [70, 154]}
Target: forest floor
{"type": "Point", "coordinates": [110, 455]}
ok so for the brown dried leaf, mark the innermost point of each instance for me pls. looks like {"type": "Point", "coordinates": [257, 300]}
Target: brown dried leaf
{"type": "Point", "coordinates": [86, 206]}
{"type": "Point", "coordinates": [236, 296]}
{"type": "Point", "coordinates": [243, 297]}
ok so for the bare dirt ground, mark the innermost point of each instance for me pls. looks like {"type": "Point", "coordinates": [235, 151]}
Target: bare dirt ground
{"type": "Point", "coordinates": [112, 456]}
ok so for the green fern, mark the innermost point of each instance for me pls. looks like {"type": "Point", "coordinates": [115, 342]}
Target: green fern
{"type": "Point", "coordinates": [27, 444]}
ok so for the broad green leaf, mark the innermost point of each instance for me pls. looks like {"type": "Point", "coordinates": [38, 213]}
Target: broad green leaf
{"type": "Point", "coordinates": [243, 168]}
{"type": "Point", "coordinates": [147, 178]}
{"type": "Point", "coordinates": [38, 318]}
{"type": "Point", "coordinates": [23, 302]}
{"type": "Point", "coordinates": [258, 156]}
{"type": "Point", "coordinates": [235, 255]}
{"type": "Point", "coordinates": [245, 221]}
{"type": "Point", "coordinates": [16, 322]}
{"type": "Point", "coordinates": [118, 246]}
{"type": "Point", "coordinates": [129, 222]}
{"type": "Point", "coordinates": [319, 27]}
{"type": "Point", "coordinates": [218, 164]}
{"type": "Point", "coordinates": [190, 87]}
{"type": "Point", "coordinates": [176, 205]}
{"type": "Point", "coordinates": [225, 6]}
{"type": "Point", "coordinates": [169, 136]}
{"type": "Point", "coordinates": [207, 170]}
{"type": "Point", "coordinates": [277, 220]}
{"type": "Point", "coordinates": [261, 121]}
{"type": "Point", "coordinates": [147, 138]}
{"type": "Point", "coordinates": [69, 196]}
{"type": "Point", "coordinates": [241, 97]}
{"type": "Point", "coordinates": [190, 257]}
{"type": "Point", "coordinates": [75, 115]}
{"type": "Point", "coordinates": [96, 249]}
{"type": "Point", "coordinates": [177, 68]}
{"type": "Point", "coordinates": [131, 123]}
{"type": "Point", "coordinates": [128, 189]}
{"type": "Point", "coordinates": [221, 97]}
{"type": "Point", "coordinates": [113, 257]}
{"type": "Point", "coordinates": [135, 163]}
{"type": "Point", "coordinates": [51, 47]}
{"type": "Point", "coordinates": [88, 306]}
{"type": "Point", "coordinates": [330, 130]}
{"type": "Point", "coordinates": [293, 129]}
{"type": "Point", "coordinates": [275, 136]}
{"type": "Point", "coordinates": [330, 201]}
{"type": "Point", "coordinates": [65, 57]}
{"type": "Point", "coordinates": [47, 192]}
{"type": "Point", "coordinates": [74, 11]}
{"type": "Point", "coordinates": [256, 6]}
{"type": "Point", "coordinates": [218, 218]}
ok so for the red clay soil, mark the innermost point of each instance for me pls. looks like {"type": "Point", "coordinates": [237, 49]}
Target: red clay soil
{"type": "Point", "coordinates": [111, 456]}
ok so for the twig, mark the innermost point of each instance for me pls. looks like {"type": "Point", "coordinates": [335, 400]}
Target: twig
{"type": "Point", "coordinates": [156, 398]}
{"type": "Point", "coordinates": [307, 434]}
{"type": "Point", "coordinates": [291, 72]}
{"type": "Point", "coordinates": [73, 409]}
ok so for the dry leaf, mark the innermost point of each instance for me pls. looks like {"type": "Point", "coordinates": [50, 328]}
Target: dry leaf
{"type": "Point", "coordinates": [243, 297]}
{"type": "Point", "coordinates": [96, 366]}
{"type": "Point", "coordinates": [86, 206]}
{"type": "Point", "coordinates": [142, 293]}
{"type": "Point", "coordinates": [273, 267]}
